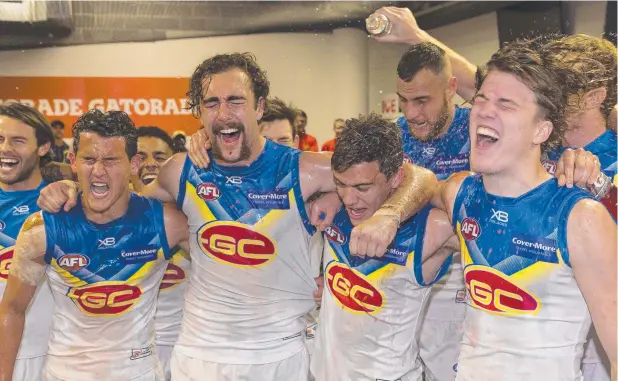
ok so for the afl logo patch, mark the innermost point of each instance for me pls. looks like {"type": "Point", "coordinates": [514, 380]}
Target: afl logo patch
{"type": "Point", "coordinates": [208, 191]}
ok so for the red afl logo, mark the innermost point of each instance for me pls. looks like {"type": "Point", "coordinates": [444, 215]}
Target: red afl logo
{"type": "Point", "coordinates": [406, 159]}
{"type": "Point", "coordinates": [335, 235]}
{"type": "Point", "coordinates": [470, 229]}
{"type": "Point", "coordinates": [208, 191]}
{"type": "Point", "coordinates": [550, 166]}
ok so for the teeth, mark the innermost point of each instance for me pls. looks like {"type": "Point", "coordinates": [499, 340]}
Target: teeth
{"type": "Point", "coordinates": [99, 184]}
{"type": "Point", "coordinates": [487, 132]}
{"type": "Point", "coordinates": [229, 131]}
{"type": "Point", "coordinates": [149, 177]}
{"type": "Point", "coordinates": [9, 161]}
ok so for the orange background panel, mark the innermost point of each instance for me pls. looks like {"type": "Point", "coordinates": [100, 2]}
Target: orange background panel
{"type": "Point", "coordinates": [159, 102]}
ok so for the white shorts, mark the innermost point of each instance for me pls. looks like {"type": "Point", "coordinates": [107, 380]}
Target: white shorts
{"type": "Point", "coordinates": [295, 368]}
{"type": "Point", "coordinates": [29, 369]}
{"type": "Point", "coordinates": [153, 375]}
{"type": "Point", "coordinates": [439, 345]}
{"type": "Point", "coordinates": [596, 372]}
{"type": "Point", "coordinates": [164, 352]}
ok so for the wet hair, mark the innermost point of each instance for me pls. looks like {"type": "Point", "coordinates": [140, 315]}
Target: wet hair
{"type": "Point", "coordinates": [33, 118]}
{"type": "Point", "coordinates": [584, 63]}
{"type": "Point", "coordinates": [220, 64]}
{"type": "Point", "coordinates": [107, 125]}
{"type": "Point", "coordinates": [523, 59]}
{"type": "Point", "coordinates": [57, 123]}
{"type": "Point", "coordinates": [276, 109]}
{"type": "Point", "coordinates": [425, 55]}
{"type": "Point", "coordinates": [155, 132]}
{"type": "Point", "coordinates": [368, 139]}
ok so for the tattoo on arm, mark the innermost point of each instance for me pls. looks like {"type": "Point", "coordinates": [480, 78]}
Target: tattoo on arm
{"type": "Point", "coordinates": [51, 173]}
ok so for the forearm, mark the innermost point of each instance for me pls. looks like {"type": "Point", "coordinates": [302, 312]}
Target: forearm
{"type": "Point", "coordinates": [11, 329]}
{"type": "Point", "coordinates": [414, 192]}
{"type": "Point", "coordinates": [463, 70]}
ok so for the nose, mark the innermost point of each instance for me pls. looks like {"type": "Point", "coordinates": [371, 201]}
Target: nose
{"type": "Point", "coordinates": [98, 169]}
{"type": "Point", "coordinates": [484, 110]}
{"type": "Point", "coordinates": [412, 111]}
{"type": "Point", "coordinates": [150, 162]}
{"type": "Point", "coordinates": [348, 196]}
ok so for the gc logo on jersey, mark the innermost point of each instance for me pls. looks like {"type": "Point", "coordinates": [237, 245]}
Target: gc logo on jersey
{"type": "Point", "coordinates": [73, 262]}
{"type": "Point", "coordinates": [105, 298]}
{"type": "Point", "coordinates": [173, 276]}
{"type": "Point", "coordinates": [236, 244]}
{"type": "Point", "coordinates": [334, 234]}
{"type": "Point", "coordinates": [208, 191]}
{"type": "Point", "coordinates": [493, 292]}
{"type": "Point", "coordinates": [6, 258]}
{"type": "Point", "coordinates": [352, 290]}
{"type": "Point", "coordinates": [470, 229]}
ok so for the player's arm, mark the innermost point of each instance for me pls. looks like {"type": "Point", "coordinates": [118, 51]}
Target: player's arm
{"type": "Point", "coordinates": [57, 171]}
{"type": "Point", "coordinates": [439, 243]}
{"type": "Point", "coordinates": [26, 272]}
{"type": "Point", "coordinates": [176, 227]}
{"type": "Point", "coordinates": [444, 197]}
{"type": "Point", "coordinates": [405, 30]}
{"type": "Point", "coordinates": [591, 241]}
{"type": "Point", "coordinates": [165, 186]}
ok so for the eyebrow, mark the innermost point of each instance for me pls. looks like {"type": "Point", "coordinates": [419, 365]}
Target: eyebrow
{"type": "Point", "coordinates": [418, 98]}
{"type": "Point", "coordinates": [352, 185]}
{"type": "Point", "coordinates": [230, 98]}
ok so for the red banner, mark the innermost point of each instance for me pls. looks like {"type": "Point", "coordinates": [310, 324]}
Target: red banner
{"type": "Point", "coordinates": [157, 102]}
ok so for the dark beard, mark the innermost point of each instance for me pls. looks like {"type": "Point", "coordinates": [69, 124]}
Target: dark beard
{"type": "Point", "coordinates": [438, 125]}
{"type": "Point", "coordinates": [245, 151]}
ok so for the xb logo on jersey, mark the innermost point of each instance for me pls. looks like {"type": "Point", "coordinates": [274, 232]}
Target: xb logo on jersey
{"type": "Point", "coordinates": [334, 234]}
{"type": "Point", "coordinates": [236, 244]}
{"type": "Point", "coordinates": [105, 298]}
{"type": "Point", "coordinates": [493, 292]}
{"type": "Point", "coordinates": [6, 258]}
{"type": "Point", "coordinates": [208, 191]}
{"type": "Point", "coordinates": [352, 290]}
{"type": "Point", "coordinates": [107, 242]}
{"type": "Point", "coordinates": [21, 210]}
{"type": "Point", "coordinates": [499, 216]}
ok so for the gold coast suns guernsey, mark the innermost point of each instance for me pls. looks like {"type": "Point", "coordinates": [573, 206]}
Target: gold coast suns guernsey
{"type": "Point", "coordinates": [526, 319]}
{"type": "Point", "coordinates": [171, 299]}
{"type": "Point", "coordinates": [251, 281]}
{"type": "Point", "coordinates": [105, 279]}
{"type": "Point", "coordinates": [15, 207]}
{"type": "Point", "coordinates": [371, 308]}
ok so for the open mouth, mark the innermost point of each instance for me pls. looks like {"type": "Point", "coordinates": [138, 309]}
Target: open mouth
{"type": "Point", "coordinates": [229, 135]}
{"type": "Point", "coordinates": [147, 179]}
{"type": "Point", "coordinates": [485, 136]}
{"type": "Point", "coordinates": [356, 213]}
{"type": "Point", "coordinates": [99, 190]}
{"type": "Point", "coordinates": [8, 163]}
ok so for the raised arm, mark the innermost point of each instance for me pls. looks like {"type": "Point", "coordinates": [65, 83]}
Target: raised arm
{"type": "Point", "coordinates": [591, 240]}
{"type": "Point", "coordinates": [405, 30]}
{"type": "Point", "coordinates": [25, 274]}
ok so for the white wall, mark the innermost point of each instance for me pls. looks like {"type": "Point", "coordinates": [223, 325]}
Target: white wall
{"type": "Point", "coordinates": [330, 76]}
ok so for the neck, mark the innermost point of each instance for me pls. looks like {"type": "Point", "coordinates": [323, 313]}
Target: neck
{"type": "Point", "coordinates": [588, 127]}
{"type": "Point", "coordinates": [516, 181]}
{"type": "Point", "coordinates": [114, 212]}
{"type": "Point", "coordinates": [449, 120]}
{"type": "Point", "coordinates": [256, 150]}
{"type": "Point", "coordinates": [59, 142]}
{"type": "Point", "coordinates": [28, 184]}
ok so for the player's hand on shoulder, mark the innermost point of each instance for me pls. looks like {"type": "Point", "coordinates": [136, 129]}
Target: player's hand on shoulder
{"type": "Point", "coordinates": [578, 167]}
{"type": "Point", "coordinates": [323, 209]}
{"type": "Point", "coordinates": [56, 195]}
{"type": "Point", "coordinates": [372, 237]}
{"type": "Point", "coordinates": [198, 148]}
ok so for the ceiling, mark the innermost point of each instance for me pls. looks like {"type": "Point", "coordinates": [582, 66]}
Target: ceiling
{"type": "Point", "coordinates": [71, 22]}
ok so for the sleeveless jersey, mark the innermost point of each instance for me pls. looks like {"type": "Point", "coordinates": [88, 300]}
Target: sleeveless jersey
{"type": "Point", "coordinates": [105, 279]}
{"type": "Point", "coordinates": [526, 318]}
{"type": "Point", "coordinates": [605, 147]}
{"type": "Point", "coordinates": [444, 156]}
{"type": "Point", "coordinates": [15, 207]}
{"type": "Point", "coordinates": [170, 301]}
{"type": "Point", "coordinates": [251, 281]}
{"type": "Point", "coordinates": [371, 307]}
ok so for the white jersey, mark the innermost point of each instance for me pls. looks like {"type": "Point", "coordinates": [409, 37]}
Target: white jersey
{"type": "Point", "coordinates": [105, 280]}
{"type": "Point", "coordinates": [371, 307]}
{"type": "Point", "coordinates": [527, 318]}
{"type": "Point", "coordinates": [251, 281]}
{"type": "Point", "coordinates": [15, 207]}
{"type": "Point", "coordinates": [171, 299]}
{"type": "Point", "coordinates": [447, 299]}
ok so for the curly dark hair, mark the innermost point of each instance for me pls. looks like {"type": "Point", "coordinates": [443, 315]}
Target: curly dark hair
{"type": "Point", "coordinates": [222, 63]}
{"type": "Point", "coordinates": [584, 63]}
{"type": "Point", "coordinates": [276, 109]}
{"type": "Point", "coordinates": [522, 59]}
{"type": "Point", "coordinates": [109, 124]}
{"type": "Point", "coordinates": [155, 132]}
{"type": "Point", "coordinates": [33, 118]}
{"type": "Point", "coordinates": [367, 139]}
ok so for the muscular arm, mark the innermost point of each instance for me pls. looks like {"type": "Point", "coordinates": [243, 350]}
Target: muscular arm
{"type": "Point", "coordinates": [439, 243]}
{"type": "Point", "coordinates": [176, 227]}
{"type": "Point", "coordinates": [165, 186]}
{"type": "Point", "coordinates": [591, 240]}
{"type": "Point", "coordinates": [411, 196]}
{"type": "Point", "coordinates": [444, 197]}
{"type": "Point", "coordinates": [56, 172]}
{"type": "Point", "coordinates": [25, 274]}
